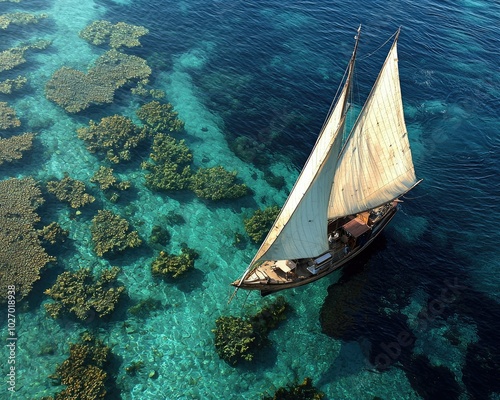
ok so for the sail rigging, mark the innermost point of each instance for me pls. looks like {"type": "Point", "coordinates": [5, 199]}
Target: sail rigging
{"type": "Point", "coordinates": [344, 176]}
{"type": "Point", "coordinates": [299, 230]}
{"type": "Point", "coordinates": [375, 166]}
{"type": "Point", "coordinates": [344, 195]}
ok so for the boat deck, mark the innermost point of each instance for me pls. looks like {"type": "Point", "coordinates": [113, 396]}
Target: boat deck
{"type": "Point", "coordinates": [347, 237]}
{"type": "Point", "coordinates": [269, 271]}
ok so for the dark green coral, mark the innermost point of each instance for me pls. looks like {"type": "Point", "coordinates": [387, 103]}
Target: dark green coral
{"type": "Point", "coordinates": [109, 183]}
{"type": "Point", "coordinates": [116, 35]}
{"type": "Point", "coordinates": [9, 85]}
{"type": "Point", "coordinates": [83, 372]}
{"type": "Point", "coordinates": [216, 183]}
{"type": "Point", "coordinates": [76, 90]}
{"type": "Point", "coordinates": [79, 293]}
{"type": "Point", "coordinates": [14, 56]}
{"type": "Point", "coordinates": [169, 266]}
{"type": "Point", "coordinates": [21, 255]}
{"type": "Point", "coordinates": [8, 117]}
{"type": "Point", "coordinates": [53, 234]}
{"type": "Point", "coordinates": [111, 233]}
{"type": "Point", "coordinates": [159, 235]}
{"type": "Point", "coordinates": [296, 391]}
{"type": "Point", "coordinates": [113, 137]}
{"type": "Point", "coordinates": [71, 191]}
{"type": "Point", "coordinates": [134, 367]}
{"type": "Point", "coordinates": [170, 169]}
{"type": "Point", "coordinates": [260, 222]}
{"type": "Point", "coordinates": [160, 117]}
{"type": "Point", "coordinates": [239, 338]}
{"type": "Point", "coordinates": [234, 338]}
{"type": "Point", "coordinates": [14, 147]}
{"type": "Point", "coordinates": [19, 18]}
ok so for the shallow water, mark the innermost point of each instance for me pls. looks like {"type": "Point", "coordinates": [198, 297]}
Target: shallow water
{"type": "Point", "coordinates": [268, 71]}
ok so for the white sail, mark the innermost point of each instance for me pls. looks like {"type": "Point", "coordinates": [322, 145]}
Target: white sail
{"type": "Point", "coordinates": [301, 228]}
{"type": "Point", "coordinates": [375, 165]}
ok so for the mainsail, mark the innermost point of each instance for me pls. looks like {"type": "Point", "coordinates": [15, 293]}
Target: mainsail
{"type": "Point", "coordinates": [342, 177]}
{"type": "Point", "coordinates": [375, 165]}
{"type": "Point", "coordinates": [300, 229]}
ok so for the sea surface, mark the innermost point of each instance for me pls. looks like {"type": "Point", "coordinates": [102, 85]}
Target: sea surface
{"type": "Point", "coordinates": [422, 303]}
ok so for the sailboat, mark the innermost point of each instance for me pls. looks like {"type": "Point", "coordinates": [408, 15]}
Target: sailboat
{"type": "Point", "coordinates": [347, 192]}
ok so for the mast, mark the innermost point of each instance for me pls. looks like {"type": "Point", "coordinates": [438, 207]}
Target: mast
{"type": "Point", "coordinates": [351, 72]}
{"type": "Point", "coordinates": [375, 165]}
{"type": "Point", "coordinates": [300, 230]}
{"type": "Point", "coordinates": [347, 85]}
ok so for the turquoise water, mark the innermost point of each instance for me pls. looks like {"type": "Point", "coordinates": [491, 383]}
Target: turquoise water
{"type": "Point", "coordinates": [267, 72]}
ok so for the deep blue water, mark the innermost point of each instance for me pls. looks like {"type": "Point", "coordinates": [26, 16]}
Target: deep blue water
{"type": "Point", "coordinates": [423, 302]}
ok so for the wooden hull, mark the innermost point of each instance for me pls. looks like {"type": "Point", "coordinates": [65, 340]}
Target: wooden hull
{"type": "Point", "coordinates": [268, 278]}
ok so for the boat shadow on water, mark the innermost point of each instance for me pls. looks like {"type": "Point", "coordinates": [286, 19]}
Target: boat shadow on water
{"type": "Point", "coordinates": [367, 309]}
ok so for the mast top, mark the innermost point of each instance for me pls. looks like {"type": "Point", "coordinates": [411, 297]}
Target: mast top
{"type": "Point", "coordinates": [397, 34]}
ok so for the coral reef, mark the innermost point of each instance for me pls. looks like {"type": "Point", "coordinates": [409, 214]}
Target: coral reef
{"type": "Point", "coordinates": [234, 339]}
{"type": "Point", "coordinates": [238, 338]}
{"type": "Point", "coordinates": [248, 150]}
{"type": "Point", "coordinates": [9, 85]}
{"type": "Point", "coordinates": [302, 391]}
{"type": "Point", "coordinates": [14, 56]}
{"type": "Point", "coordinates": [53, 234]}
{"type": "Point", "coordinates": [71, 191]}
{"type": "Point", "coordinates": [11, 58]}
{"type": "Point", "coordinates": [119, 68]}
{"type": "Point", "coordinates": [134, 367]}
{"type": "Point", "coordinates": [144, 307]}
{"type": "Point", "coordinates": [104, 177]}
{"type": "Point", "coordinates": [140, 90]}
{"type": "Point", "coordinates": [275, 181]}
{"type": "Point", "coordinates": [216, 183]}
{"type": "Point", "coordinates": [106, 180]}
{"type": "Point", "coordinates": [169, 266]}
{"type": "Point", "coordinates": [21, 256]}
{"type": "Point", "coordinates": [13, 148]}
{"type": "Point", "coordinates": [19, 18]}
{"type": "Point", "coordinates": [159, 235]}
{"type": "Point", "coordinates": [41, 44]}
{"type": "Point", "coordinates": [173, 218]}
{"type": "Point", "coordinates": [109, 183]}
{"type": "Point", "coordinates": [170, 170]}
{"type": "Point", "coordinates": [79, 293]}
{"type": "Point", "coordinates": [260, 222]}
{"type": "Point", "coordinates": [83, 371]}
{"type": "Point", "coordinates": [8, 117]}
{"type": "Point", "coordinates": [75, 90]}
{"type": "Point", "coordinates": [111, 233]}
{"type": "Point", "coordinates": [113, 136]}
{"type": "Point", "coordinates": [166, 149]}
{"type": "Point", "coordinates": [166, 176]}
{"type": "Point", "coordinates": [160, 117]}
{"type": "Point", "coordinates": [116, 35]}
